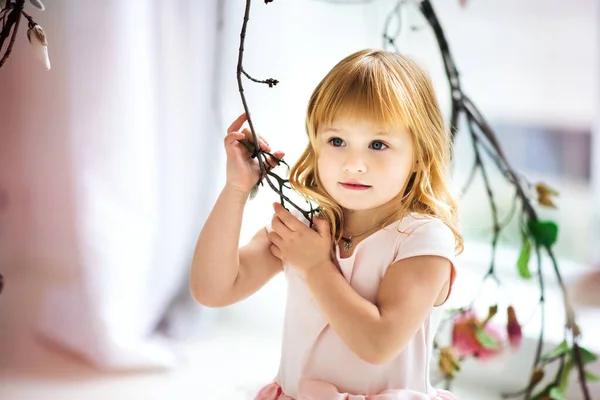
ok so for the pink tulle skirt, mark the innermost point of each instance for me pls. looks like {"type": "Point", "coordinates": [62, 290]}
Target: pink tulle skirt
{"type": "Point", "coordinates": [318, 390]}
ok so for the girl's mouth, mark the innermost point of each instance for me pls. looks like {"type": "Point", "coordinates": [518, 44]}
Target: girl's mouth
{"type": "Point", "coordinates": [354, 186]}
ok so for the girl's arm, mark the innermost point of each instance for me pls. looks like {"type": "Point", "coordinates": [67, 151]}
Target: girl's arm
{"type": "Point", "coordinates": [221, 274]}
{"type": "Point", "coordinates": [378, 332]}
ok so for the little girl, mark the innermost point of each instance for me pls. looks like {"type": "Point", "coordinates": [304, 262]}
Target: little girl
{"type": "Point", "coordinates": [365, 285]}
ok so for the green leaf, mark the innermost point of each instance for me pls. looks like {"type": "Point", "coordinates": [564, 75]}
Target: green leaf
{"type": "Point", "coordinates": [564, 376]}
{"type": "Point", "coordinates": [523, 261]}
{"type": "Point", "coordinates": [485, 339]}
{"type": "Point", "coordinates": [561, 349]}
{"type": "Point", "coordinates": [591, 377]}
{"type": "Point", "coordinates": [557, 394]}
{"type": "Point", "coordinates": [545, 233]}
{"type": "Point", "coordinates": [587, 356]}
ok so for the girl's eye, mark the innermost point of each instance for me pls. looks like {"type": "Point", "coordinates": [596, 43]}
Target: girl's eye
{"type": "Point", "coordinates": [377, 145]}
{"type": "Point", "coordinates": [337, 142]}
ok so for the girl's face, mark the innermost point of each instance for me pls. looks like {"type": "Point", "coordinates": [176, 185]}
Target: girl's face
{"type": "Point", "coordinates": [362, 167]}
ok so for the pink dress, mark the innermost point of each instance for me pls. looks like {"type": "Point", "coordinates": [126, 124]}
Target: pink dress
{"type": "Point", "coordinates": [317, 365]}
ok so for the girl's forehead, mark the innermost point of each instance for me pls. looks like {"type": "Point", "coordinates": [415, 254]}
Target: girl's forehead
{"type": "Point", "coordinates": [359, 115]}
{"type": "Point", "coordinates": [348, 124]}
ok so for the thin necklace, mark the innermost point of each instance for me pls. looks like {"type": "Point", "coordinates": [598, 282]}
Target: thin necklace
{"type": "Point", "coordinates": [348, 239]}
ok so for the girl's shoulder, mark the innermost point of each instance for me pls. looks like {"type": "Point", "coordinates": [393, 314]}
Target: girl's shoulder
{"type": "Point", "coordinates": [417, 217]}
{"type": "Point", "coordinates": [420, 234]}
{"type": "Point", "coordinates": [416, 221]}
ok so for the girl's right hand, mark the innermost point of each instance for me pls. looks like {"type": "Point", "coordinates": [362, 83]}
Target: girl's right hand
{"type": "Point", "coordinates": [243, 171]}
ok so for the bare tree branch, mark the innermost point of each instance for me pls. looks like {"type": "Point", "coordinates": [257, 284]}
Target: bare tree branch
{"type": "Point", "coordinates": [265, 173]}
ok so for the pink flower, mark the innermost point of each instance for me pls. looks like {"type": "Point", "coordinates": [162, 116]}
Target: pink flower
{"type": "Point", "coordinates": [513, 328]}
{"type": "Point", "coordinates": [469, 338]}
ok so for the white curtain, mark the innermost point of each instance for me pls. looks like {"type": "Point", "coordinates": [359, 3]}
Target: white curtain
{"type": "Point", "coordinates": [118, 155]}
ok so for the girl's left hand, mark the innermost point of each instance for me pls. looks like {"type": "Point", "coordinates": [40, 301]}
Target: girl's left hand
{"type": "Point", "coordinates": [297, 245]}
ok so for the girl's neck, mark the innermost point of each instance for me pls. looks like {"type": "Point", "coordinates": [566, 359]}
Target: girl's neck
{"type": "Point", "coordinates": [356, 222]}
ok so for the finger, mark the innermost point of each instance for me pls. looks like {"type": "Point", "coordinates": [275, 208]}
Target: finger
{"type": "Point", "coordinates": [277, 157]}
{"type": "Point", "coordinates": [322, 226]}
{"type": "Point", "coordinates": [273, 161]}
{"type": "Point", "coordinates": [279, 228]}
{"type": "Point", "coordinates": [264, 140]}
{"type": "Point", "coordinates": [275, 251]}
{"type": "Point", "coordinates": [232, 138]}
{"type": "Point", "coordinates": [274, 237]}
{"type": "Point", "coordinates": [292, 223]}
{"type": "Point", "coordinates": [263, 145]}
{"type": "Point", "coordinates": [237, 124]}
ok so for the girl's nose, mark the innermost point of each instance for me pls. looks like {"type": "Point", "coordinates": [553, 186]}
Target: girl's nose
{"type": "Point", "coordinates": [355, 164]}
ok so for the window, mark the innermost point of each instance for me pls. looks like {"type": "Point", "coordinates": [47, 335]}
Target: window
{"type": "Point", "coordinates": [560, 156]}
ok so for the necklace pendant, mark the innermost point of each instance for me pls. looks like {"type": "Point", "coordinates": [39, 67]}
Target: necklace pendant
{"type": "Point", "coordinates": [347, 245]}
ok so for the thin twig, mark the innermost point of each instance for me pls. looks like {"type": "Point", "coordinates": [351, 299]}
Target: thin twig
{"type": "Point", "coordinates": [580, 369]}
{"type": "Point", "coordinates": [511, 213]}
{"type": "Point", "coordinates": [395, 14]}
{"type": "Point", "coordinates": [271, 82]}
{"type": "Point", "coordinates": [469, 181]}
{"type": "Point", "coordinates": [570, 321]}
{"type": "Point", "coordinates": [540, 344]}
{"type": "Point", "coordinates": [265, 173]}
{"type": "Point", "coordinates": [462, 103]}
{"type": "Point", "coordinates": [449, 64]}
{"type": "Point", "coordinates": [488, 188]}
{"type": "Point", "coordinates": [13, 21]}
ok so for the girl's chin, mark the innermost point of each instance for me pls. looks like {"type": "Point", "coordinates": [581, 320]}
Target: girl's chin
{"type": "Point", "coordinates": [358, 205]}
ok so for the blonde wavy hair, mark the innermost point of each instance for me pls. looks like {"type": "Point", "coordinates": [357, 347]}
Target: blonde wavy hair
{"type": "Point", "coordinates": [387, 89]}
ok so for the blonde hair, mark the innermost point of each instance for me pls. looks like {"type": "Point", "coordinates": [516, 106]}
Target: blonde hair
{"type": "Point", "coordinates": [388, 89]}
